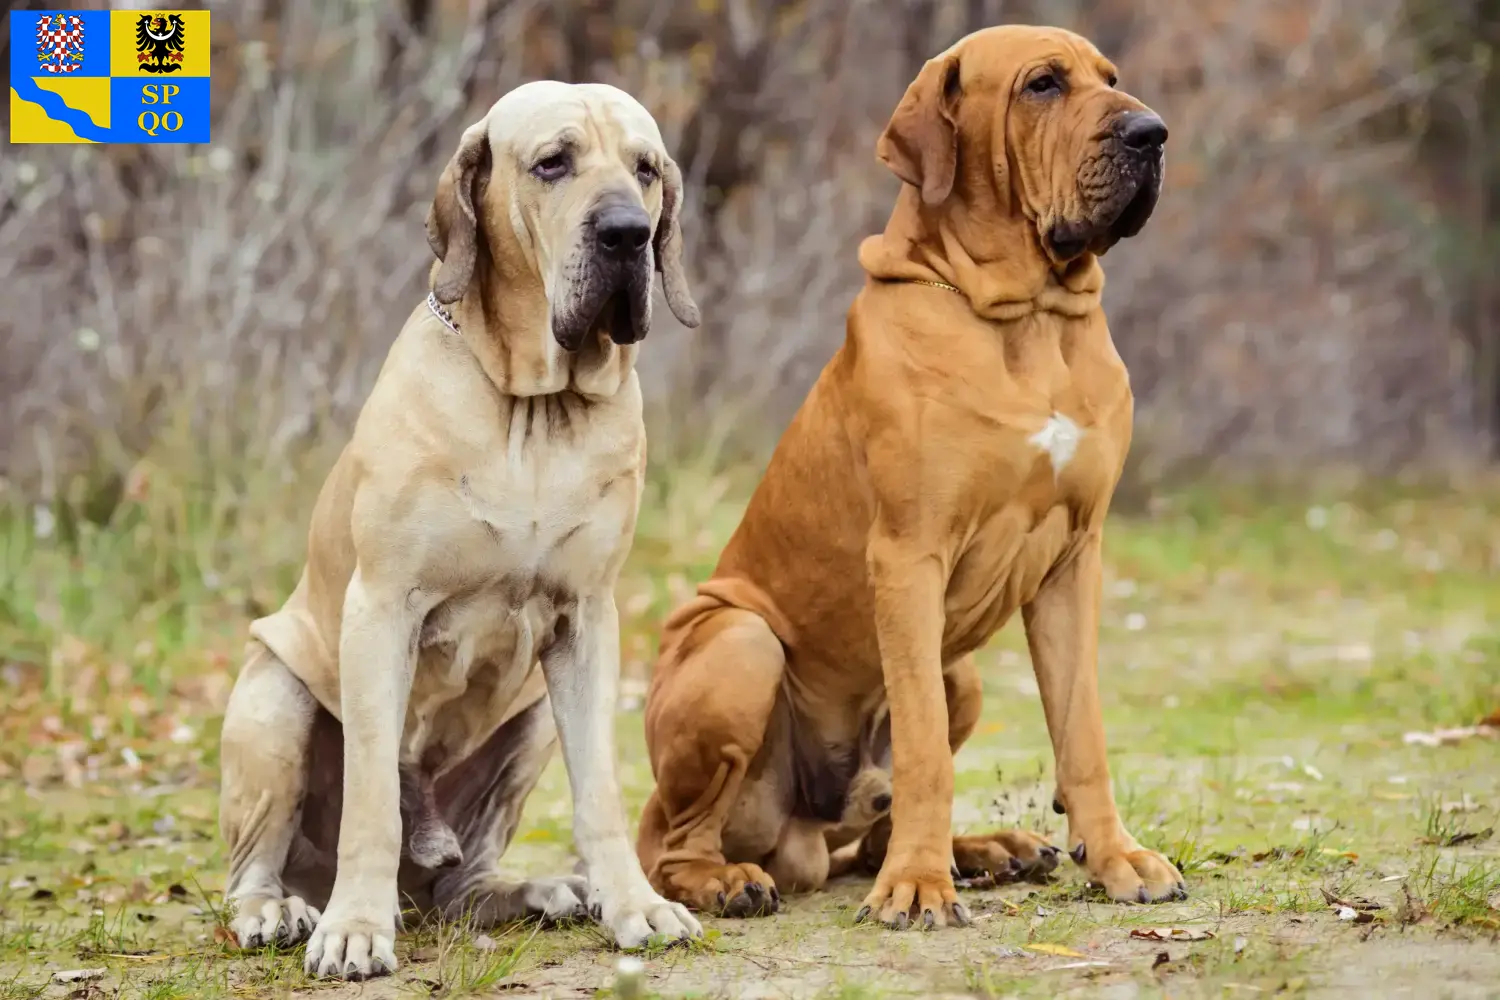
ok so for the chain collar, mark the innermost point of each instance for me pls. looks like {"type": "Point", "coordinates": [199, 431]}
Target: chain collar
{"type": "Point", "coordinates": [444, 316]}
{"type": "Point", "coordinates": [934, 284]}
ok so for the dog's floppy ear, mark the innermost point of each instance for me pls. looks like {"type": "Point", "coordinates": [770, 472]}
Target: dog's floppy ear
{"type": "Point", "coordinates": [920, 144]}
{"type": "Point", "coordinates": [452, 225]}
{"type": "Point", "coordinates": [667, 248]}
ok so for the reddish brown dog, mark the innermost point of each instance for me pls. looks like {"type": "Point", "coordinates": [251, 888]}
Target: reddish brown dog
{"type": "Point", "coordinates": [953, 463]}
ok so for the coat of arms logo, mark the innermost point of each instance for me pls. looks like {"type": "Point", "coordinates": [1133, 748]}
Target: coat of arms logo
{"type": "Point", "coordinates": [158, 42]}
{"type": "Point", "coordinates": [59, 42]}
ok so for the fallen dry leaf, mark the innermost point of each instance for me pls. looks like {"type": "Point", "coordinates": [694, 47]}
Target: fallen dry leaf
{"type": "Point", "coordinates": [1470, 837]}
{"type": "Point", "coordinates": [1413, 910]}
{"type": "Point", "coordinates": [1170, 934]}
{"type": "Point", "coordinates": [78, 975]}
{"type": "Point", "coordinates": [1353, 902]}
{"type": "Point", "coordinates": [1357, 916]}
{"type": "Point", "coordinates": [1055, 949]}
{"type": "Point", "coordinates": [1449, 737]}
{"type": "Point", "coordinates": [1090, 964]}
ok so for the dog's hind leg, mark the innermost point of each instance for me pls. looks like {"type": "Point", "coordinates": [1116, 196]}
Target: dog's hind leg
{"type": "Point", "coordinates": [707, 713]}
{"type": "Point", "coordinates": [481, 800]}
{"type": "Point", "coordinates": [263, 753]}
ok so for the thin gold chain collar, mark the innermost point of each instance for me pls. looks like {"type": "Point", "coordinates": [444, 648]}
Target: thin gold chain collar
{"type": "Point", "coordinates": [934, 284]}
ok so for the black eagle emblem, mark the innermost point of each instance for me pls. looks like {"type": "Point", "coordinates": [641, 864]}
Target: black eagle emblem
{"type": "Point", "coordinates": [158, 43]}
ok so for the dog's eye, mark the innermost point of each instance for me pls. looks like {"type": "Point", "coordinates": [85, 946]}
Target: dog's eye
{"type": "Point", "coordinates": [645, 173]}
{"type": "Point", "coordinates": [552, 168]}
{"type": "Point", "coordinates": [1043, 84]}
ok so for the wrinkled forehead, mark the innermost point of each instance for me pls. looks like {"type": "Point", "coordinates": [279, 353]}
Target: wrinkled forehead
{"type": "Point", "coordinates": [539, 114]}
{"type": "Point", "coordinates": [997, 56]}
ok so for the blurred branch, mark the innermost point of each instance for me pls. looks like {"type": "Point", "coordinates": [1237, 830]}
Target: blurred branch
{"type": "Point", "coordinates": [1333, 173]}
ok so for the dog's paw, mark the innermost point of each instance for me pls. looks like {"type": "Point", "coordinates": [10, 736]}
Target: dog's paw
{"type": "Point", "coordinates": [643, 916]}
{"type": "Point", "coordinates": [1008, 855]}
{"type": "Point", "coordinates": [755, 898]}
{"type": "Point", "coordinates": [1128, 873]}
{"type": "Point", "coordinates": [909, 893]}
{"type": "Point", "coordinates": [726, 890]}
{"type": "Point", "coordinates": [556, 900]}
{"type": "Point", "coordinates": [351, 947]}
{"type": "Point", "coordinates": [264, 921]}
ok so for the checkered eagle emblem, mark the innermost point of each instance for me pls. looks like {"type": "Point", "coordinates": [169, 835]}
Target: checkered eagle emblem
{"type": "Point", "coordinates": [59, 42]}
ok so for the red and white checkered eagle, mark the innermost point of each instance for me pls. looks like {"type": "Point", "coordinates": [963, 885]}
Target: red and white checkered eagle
{"type": "Point", "coordinates": [59, 42]}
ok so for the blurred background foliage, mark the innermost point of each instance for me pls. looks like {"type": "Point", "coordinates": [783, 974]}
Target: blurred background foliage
{"type": "Point", "coordinates": [1317, 290]}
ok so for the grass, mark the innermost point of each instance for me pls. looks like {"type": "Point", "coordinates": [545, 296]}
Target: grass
{"type": "Point", "coordinates": [1262, 660]}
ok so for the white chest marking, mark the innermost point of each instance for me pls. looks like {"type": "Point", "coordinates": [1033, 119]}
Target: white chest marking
{"type": "Point", "coordinates": [1059, 438]}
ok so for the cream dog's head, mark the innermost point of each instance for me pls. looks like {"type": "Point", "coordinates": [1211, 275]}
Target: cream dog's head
{"type": "Point", "coordinates": [571, 186]}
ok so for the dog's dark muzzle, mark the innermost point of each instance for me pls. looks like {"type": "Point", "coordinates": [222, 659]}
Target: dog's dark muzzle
{"type": "Point", "coordinates": [614, 288]}
{"type": "Point", "coordinates": [1142, 140]}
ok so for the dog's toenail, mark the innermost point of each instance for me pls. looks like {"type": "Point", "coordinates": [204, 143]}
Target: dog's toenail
{"type": "Point", "coordinates": [1142, 896]}
{"type": "Point", "coordinates": [1049, 851]}
{"type": "Point", "coordinates": [961, 915]}
{"type": "Point", "coordinates": [721, 899]}
{"type": "Point", "coordinates": [928, 920]}
{"type": "Point", "coordinates": [864, 911]}
{"type": "Point", "coordinates": [1077, 853]}
{"type": "Point", "coordinates": [1015, 864]}
{"type": "Point", "coordinates": [902, 921]}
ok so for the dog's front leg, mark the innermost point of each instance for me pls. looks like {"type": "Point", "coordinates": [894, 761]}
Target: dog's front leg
{"type": "Point", "coordinates": [1062, 629]}
{"type": "Point", "coordinates": [356, 937]}
{"type": "Point", "coordinates": [908, 581]}
{"type": "Point", "coordinates": [583, 675]}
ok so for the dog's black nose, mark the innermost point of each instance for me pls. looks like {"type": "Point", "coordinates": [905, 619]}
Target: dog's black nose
{"type": "Point", "coordinates": [881, 802]}
{"type": "Point", "coordinates": [622, 230]}
{"type": "Point", "coordinates": [1142, 130]}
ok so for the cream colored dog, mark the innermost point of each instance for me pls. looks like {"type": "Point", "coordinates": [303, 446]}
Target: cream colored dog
{"type": "Point", "coordinates": [393, 716]}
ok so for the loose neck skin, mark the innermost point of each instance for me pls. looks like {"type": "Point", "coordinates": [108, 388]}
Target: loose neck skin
{"type": "Point", "coordinates": [986, 247]}
{"type": "Point", "coordinates": [505, 319]}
